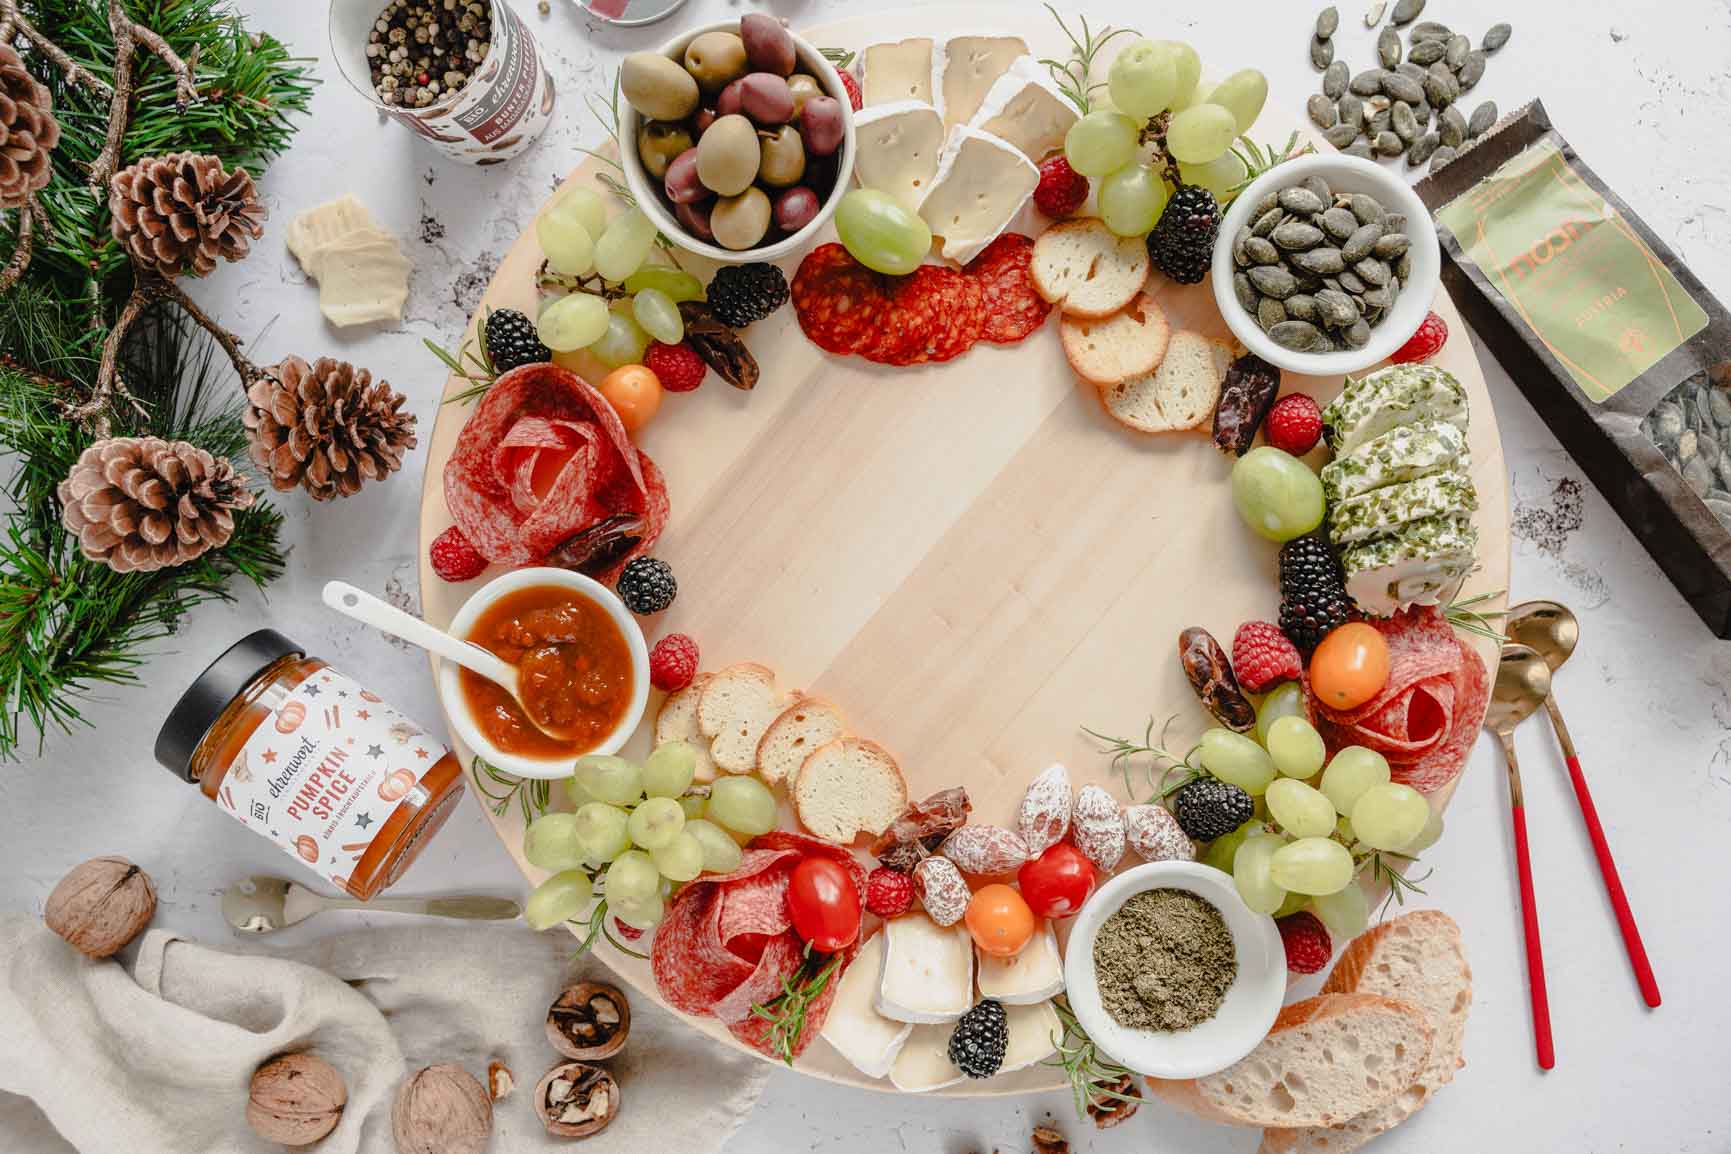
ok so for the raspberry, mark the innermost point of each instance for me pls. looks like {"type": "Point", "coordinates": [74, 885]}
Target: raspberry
{"type": "Point", "coordinates": [853, 93]}
{"type": "Point", "coordinates": [1432, 334]}
{"type": "Point", "coordinates": [454, 559]}
{"type": "Point", "coordinates": [629, 933]}
{"type": "Point", "coordinates": [889, 892]}
{"type": "Point", "coordinates": [1308, 946]}
{"type": "Point", "coordinates": [1061, 190]}
{"type": "Point", "coordinates": [673, 662]}
{"type": "Point", "coordinates": [1294, 424]}
{"type": "Point", "coordinates": [1262, 656]}
{"type": "Point", "coordinates": [677, 367]}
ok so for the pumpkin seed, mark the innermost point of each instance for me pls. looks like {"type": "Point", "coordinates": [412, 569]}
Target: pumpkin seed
{"type": "Point", "coordinates": [1379, 124]}
{"type": "Point", "coordinates": [1440, 86]}
{"type": "Point", "coordinates": [1496, 37]}
{"type": "Point", "coordinates": [1302, 307]}
{"type": "Point", "coordinates": [1452, 127]}
{"type": "Point", "coordinates": [1361, 149]}
{"type": "Point", "coordinates": [1430, 30]}
{"type": "Point", "coordinates": [1421, 113]}
{"type": "Point", "coordinates": [1371, 271]}
{"type": "Point", "coordinates": [1365, 208]}
{"type": "Point", "coordinates": [1388, 47]}
{"type": "Point", "coordinates": [1390, 245]}
{"type": "Point", "coordinates": [1366, 83]}
{"type": "Point", "coordinates": [1299, 336]}
{"type": "Point", "coordinates": [1320, 262]}
{"type": "Point", "coordinates": [1261, 250]}
{"type": "Point", "coordinates": [1238, 254]}
{"type": "Point", "coordinates": [1273, 280]}
{"type": "Point", "coordinates": [1696, 472]}
{"type": "Point", "coordinates": [1377, 298]}
{"type": "Point", "coordinates": [1322, 111]}
{"type": "Point", "coordinates": [1421, 149]}
{"type": "Point", "coordinates": [1349, 282]}
{"type": "Point", "coordinates": [1357, 334]}
{"type": "Point", "coordinates": [1351, 110]}
{"type": "Point", "coordinates": [1398, 87]}
{"type": "Point", "coordinates": [1404, 123]}
{"type": "Point", "coordinates": [1341, 135]}
{"type": "Point", "coordinates": [1403, 266]}
{"type": "Point", "coordinates": [1335, 308]}
{"type": "Point", "coordinates": [1318, 188]}
{"type": "Point", "coordinates": [1373, 14]}
{"type": "Point", "coordinates": [1455, 54]}
{"type": "Point", "coordinates": [1266, 223]}
{"type": "Point", "coordinates": [1426, 52]}
{"type": "Point", "coordinates": [1393, 222]}
{"type": "Point", "coordinates": [1472, 71]}
{"type": "Point", "coordinates": [1296, 236]}
{"type": "Point", "coordinates": [1408, 68]}
{"type": "Point", "coordinates": [1481, 120]}
{"type": "Point", "coordinates": [1269, 312]}
{"type": "Point", "coordinates": [1327, 21]}
{"type": "Point", "coordinates": [1339, 223]}
{"type": "Point", "coordinates": [1406, 11]}
{"type": "Point", "coordinates": [1246, 294]}
{"type": "Point", "coordinates": [1269, 202]}
{"type": "Point", "coordinates": [1300, 200]}
{"type": "Point", "coordinates": [1321, 52]}
{"type": "Point", "coordinates": [1361, 242]}
{"type": "Point", "coordinates": [1334, 79]}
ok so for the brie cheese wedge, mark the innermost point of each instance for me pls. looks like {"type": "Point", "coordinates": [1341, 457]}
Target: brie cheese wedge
{"type": "Point", "coordinates": [896, 71]}
{"type": "Point", "coordinates": [854, 1027]}
{"type": "Point", "coordinates": [898, 150]}
{"type": "Point", "coordinates": [1033, 975]}
{"type": "Point", "coordinates": [1027, 109]}
{"type": "Point", "coordinates": [965, 69]}
{"type": "Point", "coordinates": [1034, 1034]}
{"type": "Point", "coordinates": [924, 1062]}
{"type": "Point", "coordinates": [928, 971]}
{"type": "Point", "coordinates": [981, 184]}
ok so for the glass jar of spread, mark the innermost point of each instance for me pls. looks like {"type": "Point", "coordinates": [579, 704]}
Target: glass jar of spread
{"type": "Point", "coordinates": [312, 760]}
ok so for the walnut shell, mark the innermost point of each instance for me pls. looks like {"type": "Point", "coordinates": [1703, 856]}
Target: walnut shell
{"type": "Point", "coordinates": [441, 1110]}
{"type": "Point", "coordinates": [576, 1100]}
{"type": "Point", "coordinates": [101, 905]}
{"type": "Point", "coordinates": [296, 1100]}
{"type": "Point", "coordinates": [589, 1021]}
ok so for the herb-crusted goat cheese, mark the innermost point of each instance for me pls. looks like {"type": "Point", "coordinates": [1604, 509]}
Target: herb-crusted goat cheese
{"type": "Point", "coordinates": [1415, 566]}
{"type": "Point", "coordinates": [1389, 399]}
{"type": "Point", "coordinates": [1388, 510]}
{"type": "Point", "coordinates": [1403, 454]}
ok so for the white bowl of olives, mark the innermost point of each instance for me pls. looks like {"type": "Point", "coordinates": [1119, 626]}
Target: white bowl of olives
{"type": "Point", "coordinates": [737, 139]}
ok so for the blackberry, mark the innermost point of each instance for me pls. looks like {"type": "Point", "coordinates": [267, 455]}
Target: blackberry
{"type": "Point", "coordinates": [981, 1037]}
{"type": "Point", "coordinates": [742, 293]}
{"type": "Point", "coordinates": [512, 341]}
{"type": "Point", "coordinates": [1208, 808]}
{"type": "Point", "coordinates": [1182, 244]}
{"type": "Point", "coordinates": [646, 585]}
{"type": "Point", "coordinates": [1313, 596]}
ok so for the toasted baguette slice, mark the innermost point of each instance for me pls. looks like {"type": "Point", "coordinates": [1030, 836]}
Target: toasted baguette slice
{"type": "Point", "coordinates": [1327, 1059]}
{"type": "Point", "coordinates": [1085, 270]}
{"type": "Point", "coordinates": [1180, 394]}
{"type": "Point", "coordinates": [849, 787]}
{"type": "Point", "coordinates": [1417, 958]}
{"type": "Point", "coordinates": [736, 707]}
{"type": "Point", "coordinates": [800, 728]}
{"type": "Point", "coordinates": [677, 721]}
{"type": "Point", "coordinates": [1126, 344]}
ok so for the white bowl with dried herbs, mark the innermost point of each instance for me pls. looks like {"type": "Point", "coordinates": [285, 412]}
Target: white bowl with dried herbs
{"type": "Point", "coordinates": [1171, 973]}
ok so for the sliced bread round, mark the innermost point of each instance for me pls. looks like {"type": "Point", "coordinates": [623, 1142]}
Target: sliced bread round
{"type": "Point", "coordinates": [1125, 344]}
{"type": "Point", "coordinates": [1086, 270]}
{"type": "Point", "coordinates": [1180, 394]}
{"type": "Point", "coordinates": [849, 787]}
{"type": "Point", "coordinates": [800, 728]}
{"type": "Point", "coordinates": [677, 721]}
{"type": "Point", "coordinates": [736, 707]}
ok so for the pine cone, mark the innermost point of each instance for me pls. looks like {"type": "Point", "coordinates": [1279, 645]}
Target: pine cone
{"type": "Point", "coordinates": [179, 213]}
{"type": "Point", "coordinates": [28, 130]}
{"type": "Point", "coordinates": [327, 427]}
{"type": "Point", "coordinates": [143, 503]}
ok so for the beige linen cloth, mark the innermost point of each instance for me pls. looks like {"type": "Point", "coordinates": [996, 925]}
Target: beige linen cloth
{"type": "Point", "coordinates": [158, 1060]}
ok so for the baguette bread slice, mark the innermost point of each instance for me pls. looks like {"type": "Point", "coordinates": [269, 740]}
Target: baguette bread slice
{"type": "Point", "coordinates": [800, 728]}
{"type": "Point", "coordinates": [736, 707]}
{"type": "Point", "coordinates": [1087, 271]}
{"type": "Point", "coordinates": [1417, 958]}
{"type": "Point", "coordinates": [849, 787]}
{"type": "Point", "coordinates": [1180, 394]}
{"type": "Point", "coordinates": [1123, 345]}
{"type": "Point", "coordinates": [677, 721]}
{"type": "Point", "coordinates": [1327, 1059]}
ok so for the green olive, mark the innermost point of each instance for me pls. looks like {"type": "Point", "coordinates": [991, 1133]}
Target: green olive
{"type": "Point", "coordinates": [782, 160]}
{"type": "Point", "coordinates": [658, 142]}
{"type": "Point", "coordinates": [728, 155]}
{"type": "Point", "coordinates": [657, 87]}
{"type": "Point", "coordinates": [715, 59]}
{"type": "Point", "coordinates": [740, 221]}
{"type": "Point", "coordinates": [804, 86]}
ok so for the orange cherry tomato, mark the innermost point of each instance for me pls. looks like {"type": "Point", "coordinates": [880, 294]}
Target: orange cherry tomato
{"type": "Point", "coordinates": [1350, 666]}
{"type": "Point", "coordinates": [999, 920]}
{"type": "Point", "coordinates": [634, 391]}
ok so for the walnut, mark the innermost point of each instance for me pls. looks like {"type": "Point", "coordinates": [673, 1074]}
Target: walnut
{"type": "Point", "coordinates": [441, 1110]}
{"type": "Point", "coordinates": [101, 905]}
{"type": "Point", "coordinates": [1108, 1110]}
{"type": "Point", "coordinates": [576, 1100]}
{"type": "Point", "coordinates": [589, 1021]}
{"type": "Point", "coordinates": [1048, 1140]}
{"type": "Point", "coordinates": [296, 1100]}
{"type": "Point", "coordinates": [500, 1081]}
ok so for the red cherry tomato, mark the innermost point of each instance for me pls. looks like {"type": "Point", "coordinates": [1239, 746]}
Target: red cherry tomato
{"type": "Point", "coordinates": [1056, 883]}
{"type": "Point", "coordinates": [824, 903]}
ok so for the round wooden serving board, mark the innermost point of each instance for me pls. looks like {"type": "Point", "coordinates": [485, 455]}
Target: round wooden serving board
{"type": "Point", "coordinates": [971, 559]}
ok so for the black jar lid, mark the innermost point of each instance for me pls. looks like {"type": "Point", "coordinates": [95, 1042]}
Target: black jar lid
{"type": "Point", "coordinates": [203, 703]}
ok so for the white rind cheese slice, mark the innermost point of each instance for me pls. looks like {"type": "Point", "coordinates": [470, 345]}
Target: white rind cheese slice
{"type": "Point", "coordinates": [965, 68]}
{"type": "Point", "coordinates": [928, 971]}
{"type": "Point", "coordinates": [1034, 1033]}
{"type": "Point", "coordinates": [899, 148]}
{"type": "Point", "coordinates": [981, 184]}
{"type": "Point", "coordinates": [1033, 975]}
{"type": "Point", "coordinates": [1027, 109]}
{"type": "Point", "coordinates": [854, 1027]}
{"type": "Point", "coordinates": [895, 71]}
{"type": "Point", "coordinates": [924, 1062]}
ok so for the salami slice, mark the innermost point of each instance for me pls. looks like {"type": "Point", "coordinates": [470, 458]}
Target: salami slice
{"type": "Point", "coordinates": [1472, 686]}
{"type": "Point", "coordinates": [939, 310]}
{"type": "Point", "coordinates": [839, 302]}
{"type": "Point", "coordinates": [1010, 307]}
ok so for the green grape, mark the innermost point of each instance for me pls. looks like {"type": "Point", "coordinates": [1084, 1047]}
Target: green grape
{"type": "Point", "coordinates": [721, 854]}
{"type": "Point", "coordinates": [1219, 176]}
{"type": "Point", "coordinates": [681, 859]}
{"type": "Point", "coordinates": [572, 322]}
{"type": "Point", "coordinates": [610, 779]}
{"type": "Point", "coordinates": [1132, 199]}
{"type": "Point", "coordinates": [558, 899]}
{"type": "Point", "coordinates": [1296, 747]}
{"type": "Point", "coordinates": [742, 804]}
{"type": "Point", "coordinates": [1293, 904]}
{"type": "Point", "coordinates": [1101, 142]}
{"type": "Point", "coordinates": [658, 316]}
{"type": "Point", "coordinates": [1390, 816]}
{"type": "Point", "coordinates": [1200, 133]}
{"type": "Point", "coordinates": [1301, 810]}
{"type": "Point", "coordinates": [1242, 94]}
{"type": "Point", "coordinates": [1312, 865]}
{"type": "Point", "coordinates": [1352, 771]}
{"type": "Point", "coordinates": [1252, 873]}
{"type": "Point", "coordinates": [1427, 837]}
{"type": "Point", "coordinates": [601, 831]}
{"type": "Point", "coordinates": [1198, 95]}
{"type": "Point", "coordinates": [575, 793]}
{"type": "Point", "coordinates": [1345, 913]}
{"type": "Point", "coordinates": [643, 915]}
{"type": "Point", "coordinates": [1284, 700]}
{"type": "Point", "coordinates": [632, 878]}
{"type": "Point", "coordinates": [669, 770]}
{"type": "Point", "coordinates": [624, 245]}
{"type": "Point", "coordinates": [1237, 760]}
{"type": "Point", "coordinates": [678, 284]}
{"type": "Point", "coordinates": [655, 822]}
{"type": "Point", "coordinates": [624, 342]}
{"type": "Point", "coordinates": [880, 233]}
{"type": "Point", "coordinates": [581, 206]}
{"type": "Point", "coordinates": [1221, 850]}
{"type": "Point", "coordinates": [1276, 494]}
{"type": "Point", "coordinates": [567, 245]}
{"type": "Point", "coordinates": [1186, 69]}
{"type": "Point", "coordinates": [1143, 79]}
{"type": "Point", "coordinates": [550, 842]}
{"type": "Point", "coordinates": [695, 805]}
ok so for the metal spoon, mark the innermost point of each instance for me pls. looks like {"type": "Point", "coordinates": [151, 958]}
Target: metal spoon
{"type": "Point", "coordinates": [263, 905]}
{"type": "Point", "coordinates": [1552, 631]}
{"type": "Point", "coordinates": [1523, 682]}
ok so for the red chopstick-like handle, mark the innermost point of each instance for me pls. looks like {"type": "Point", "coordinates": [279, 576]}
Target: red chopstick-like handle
{"type": "Point", "coordinates": [1614, 886]}
{"type": "Point", "coordinates": [1535, 953]}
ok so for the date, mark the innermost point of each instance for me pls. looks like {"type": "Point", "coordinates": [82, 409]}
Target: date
{"type": "Point", "coordinates": [1210, 673]}
{"type": "Point", "coordinates": [921, 829]}
{"type": "Point", "coordinates": [1245, 397]}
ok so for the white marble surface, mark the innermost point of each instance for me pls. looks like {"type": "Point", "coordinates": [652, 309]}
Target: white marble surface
{"type": "Point", "coordinates": [1641, 89]}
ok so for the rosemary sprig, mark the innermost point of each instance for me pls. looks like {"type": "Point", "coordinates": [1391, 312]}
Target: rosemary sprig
{"type": "Point", "coordinates": [787, 1013]}
{"type": "Point", "coordinates": [1259, 159]}
{"type": "Point", "coordinates": [471, 362]}
{"type": "Point", "coordinates": [533, 797]}
{"type": "Point", "coordinates": [1463, 616]}
{"type": "Point", "coordinates": [1384, 867]}
{"type": "Point", "coordinates": [1072, 75]}
{"type": "Point", "coordinates": [1125, 751]}
{"type": "Point", "coordinates": [840, 57]}
{"type": "Point", "coordinates": [1092, 1075]}
{"type": "Point", "coordinates": [607, 116]}
{"type": "Point", "coordinates": [595, 927]}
